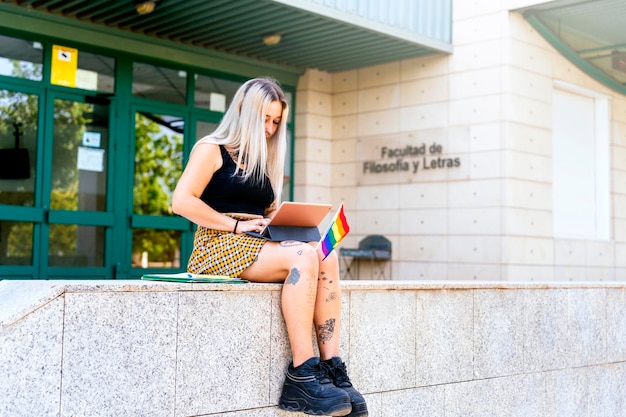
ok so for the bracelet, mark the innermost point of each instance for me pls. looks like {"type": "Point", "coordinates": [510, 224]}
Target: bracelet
{"type": "Point", "coordinates": [236, 224]}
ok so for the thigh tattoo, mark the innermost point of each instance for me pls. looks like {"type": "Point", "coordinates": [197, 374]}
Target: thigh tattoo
{"type": "Point", "coordinates": [290, 243]}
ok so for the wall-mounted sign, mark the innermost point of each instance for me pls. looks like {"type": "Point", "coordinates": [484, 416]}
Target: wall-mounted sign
{"type": "Point", "coordinates": [64, 65]}
{"type": "Point", "coordinates": [410, 159]}
{"type": "Point", "coordinates": [92, 139]}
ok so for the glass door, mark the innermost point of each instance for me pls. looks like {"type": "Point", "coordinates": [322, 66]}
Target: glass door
{"type": "Point", "coordinates": [78, 194]}
{"type": "Point", "coordinates": [158, 235]}
{"type": "Point", "coordinates": [20, 217]}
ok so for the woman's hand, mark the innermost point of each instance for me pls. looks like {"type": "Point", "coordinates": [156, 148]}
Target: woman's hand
{"type": "Point", "coordinates": [254, 225]}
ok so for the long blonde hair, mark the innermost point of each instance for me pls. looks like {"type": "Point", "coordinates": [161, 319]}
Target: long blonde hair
{"type": "Point", "coordinates": [242, 129]}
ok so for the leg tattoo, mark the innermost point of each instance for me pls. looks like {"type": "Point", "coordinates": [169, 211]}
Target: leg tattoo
{"type": "Point", "coordinates": [326, 330]}
{"type": "Point", "coordinates": [294, 276]}
{"type": "Point", "coordinates": [332, 295]}
{"type": "Point", "coordinates": [291, 243]}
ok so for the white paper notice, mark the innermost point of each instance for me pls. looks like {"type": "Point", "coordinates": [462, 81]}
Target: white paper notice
{"type": "Point", "coordinates": [90, 159]}
{"type": "Point", "coordinates": [217, 102]}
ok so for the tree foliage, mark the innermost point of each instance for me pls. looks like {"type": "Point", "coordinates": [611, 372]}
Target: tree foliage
{"type": "Point", "coordinates": [158, 165]}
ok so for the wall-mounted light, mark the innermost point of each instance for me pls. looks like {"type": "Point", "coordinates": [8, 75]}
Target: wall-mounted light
{"type": "Point", "coordinates": [144, 6]}
{"type": "Point", "coordinates": [272, 39]}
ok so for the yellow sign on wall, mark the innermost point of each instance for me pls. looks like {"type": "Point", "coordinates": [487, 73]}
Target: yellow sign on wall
{"type": "Point", "coordinates": [64, 65]}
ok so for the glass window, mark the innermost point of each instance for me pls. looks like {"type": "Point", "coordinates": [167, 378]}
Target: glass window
{"type": "Point", "coordinates": [79, 160]}
{"type": "Point", "coordinates": [84, 70]}
{"type": "Point", "coordinates": [204, 128]}
{"type": "Point", "coordinates": [286, 195]}
{"type": "Point", "coordinates": [156, 248]}
{"type": "Point", "coordinates": [95, 72]}
{"type": "Point", "coordinates": [158, 162]}
{"type": "Point", "coordinates": [159, 83]}
{"type": "Point", "coordinates": [214, 94]}
{"type": "Point", "coordinates": [16, 243]}
{"type": "Point", "coordinates": [74, 245]}
{"type": "Point", "coordinates": [18, 147]}
{"type": "Point", "coordinates": [289, 99]}
{"type": "Point", "coordinates": [20, 58]}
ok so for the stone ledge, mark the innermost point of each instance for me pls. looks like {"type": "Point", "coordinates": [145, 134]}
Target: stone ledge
{"type": "Point", "coordinates": [21, 297]}
{"type": "Point", "coordinates": [138, 348]}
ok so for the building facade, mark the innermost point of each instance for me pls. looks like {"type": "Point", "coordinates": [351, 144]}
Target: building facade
{"type": "Point", "coordinates": [487, 156]}
{"type": "Point", "coordinates": [517, 163]}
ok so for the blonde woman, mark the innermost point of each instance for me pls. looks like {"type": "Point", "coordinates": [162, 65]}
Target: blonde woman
{"type": "Point", "coordinates": [232, 185]}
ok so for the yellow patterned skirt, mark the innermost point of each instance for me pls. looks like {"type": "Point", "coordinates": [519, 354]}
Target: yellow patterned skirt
{"type": "Point", "coordinates": [216, 252]}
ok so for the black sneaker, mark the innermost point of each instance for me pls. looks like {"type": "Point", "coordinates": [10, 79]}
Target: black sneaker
{"type": "Point", "coordinates": [338, 373]}
{"type": "Point", "coordinates": [308, 389]}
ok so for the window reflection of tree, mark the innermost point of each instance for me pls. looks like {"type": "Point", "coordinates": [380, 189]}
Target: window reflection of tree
{"type": "Point", "coordinates": [16, 238]}
{"type": "Point", "coordinates": [158, 166]}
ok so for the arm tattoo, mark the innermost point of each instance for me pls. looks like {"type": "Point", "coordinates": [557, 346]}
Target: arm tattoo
{"type": "Point", "coordinates": [293, 277]}
{"type": "Point", "coordinates": [326, 331]}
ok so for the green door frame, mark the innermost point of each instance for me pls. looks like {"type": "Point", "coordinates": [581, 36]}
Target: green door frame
{"type": "Point", "coordinates": [75, 217]}
{"type": "Point", "coordinates": [36, 213]}
{"type": "Point", "coordinates": [118, 218]}
{"type": "Point", "coordinates": [147, 221]}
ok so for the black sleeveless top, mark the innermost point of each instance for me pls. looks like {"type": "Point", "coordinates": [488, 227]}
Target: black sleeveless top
{"type": "Point", "coordinates": [227, 193]}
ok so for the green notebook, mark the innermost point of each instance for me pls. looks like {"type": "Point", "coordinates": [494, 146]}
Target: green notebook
{"type": "Point", "coordinates": [188, 277]}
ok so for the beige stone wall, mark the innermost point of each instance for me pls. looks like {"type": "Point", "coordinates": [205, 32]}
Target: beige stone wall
{"type": "Point", "coordinates": [489, 104]}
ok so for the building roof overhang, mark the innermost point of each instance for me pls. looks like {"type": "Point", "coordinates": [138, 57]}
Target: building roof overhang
{"type": "Point", "coordinates": [312, 36]}
{"type": "Point", "coordinates": [590, 33]}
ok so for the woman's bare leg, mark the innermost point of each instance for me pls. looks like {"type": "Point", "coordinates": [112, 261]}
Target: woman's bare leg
{"type": "Point", "coordinates": [297, 265]}
{"type": "Point", "coordinates": [311, 294]}
{"type": "Point", "coordinates": [327, 315]}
